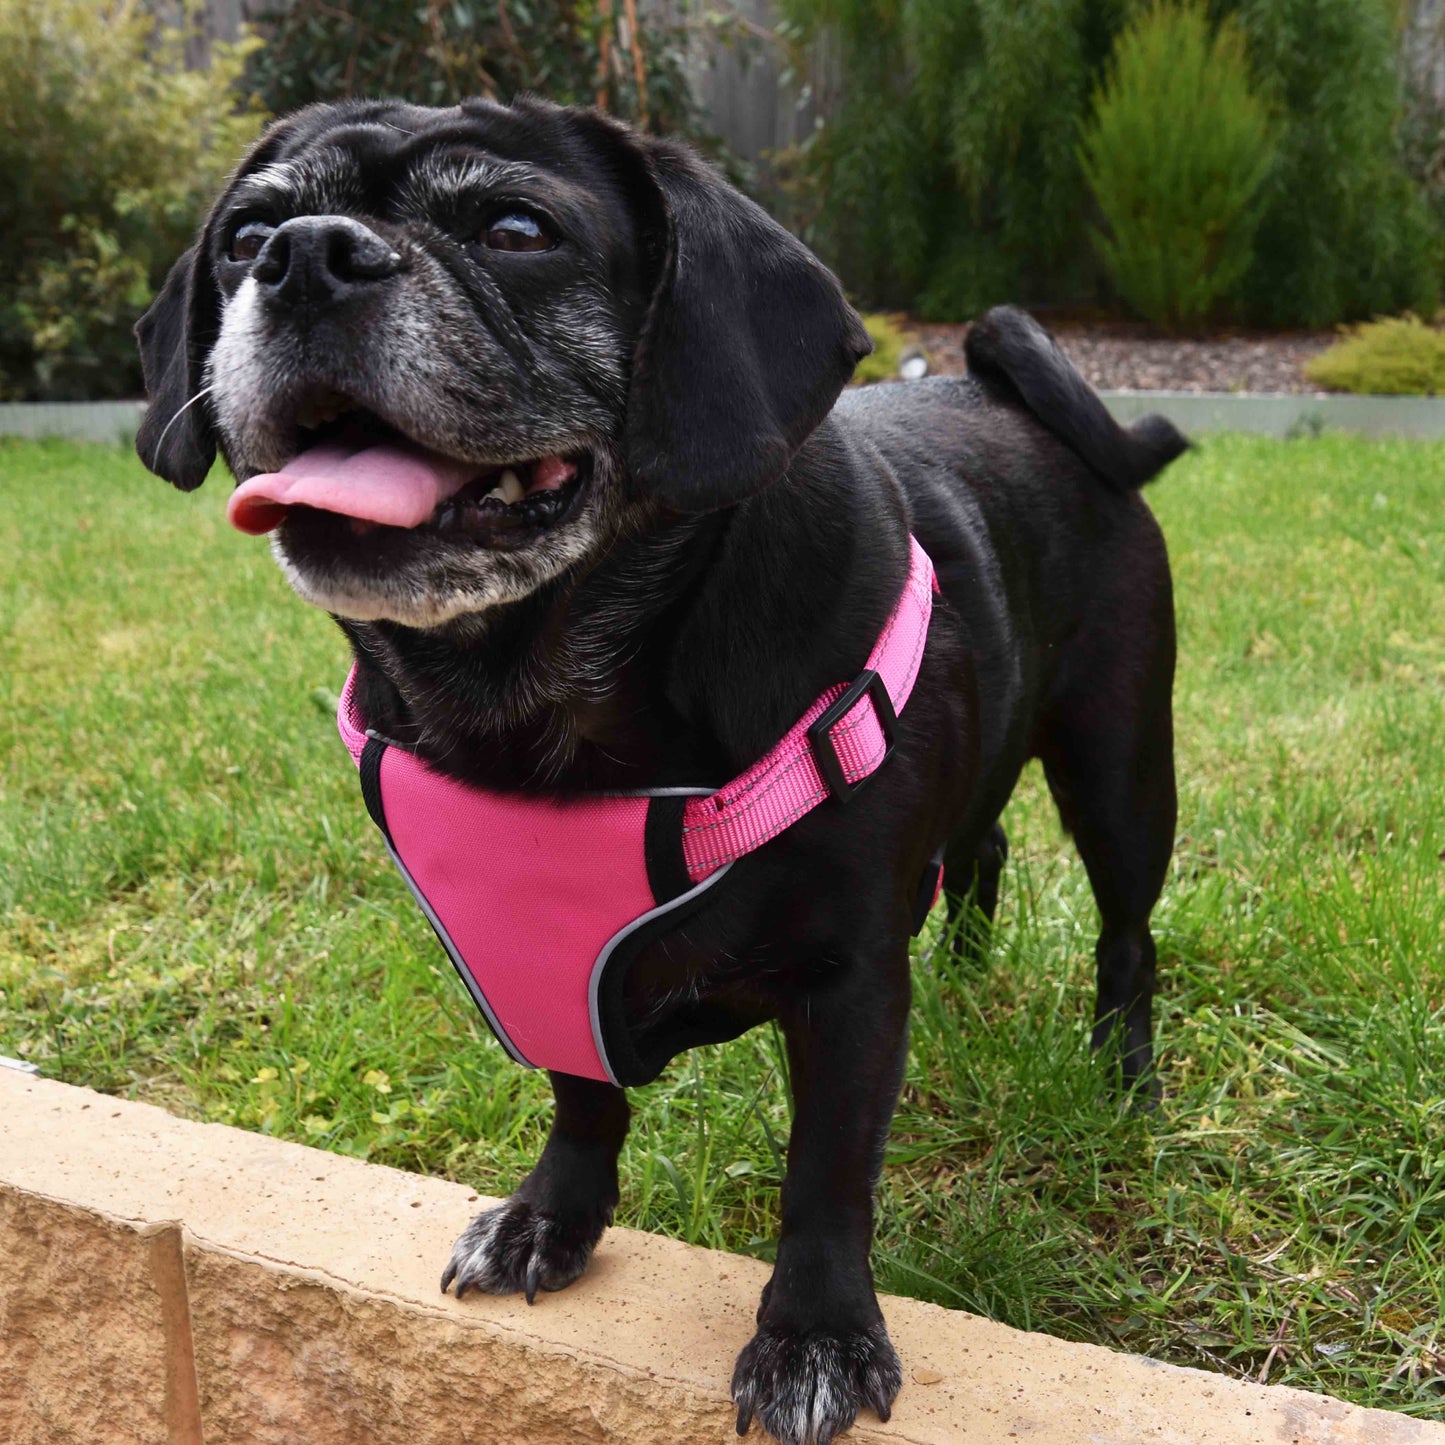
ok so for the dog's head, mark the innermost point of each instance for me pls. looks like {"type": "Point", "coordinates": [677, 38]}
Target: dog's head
{"type": "Point", "coordinates": [450, 354]}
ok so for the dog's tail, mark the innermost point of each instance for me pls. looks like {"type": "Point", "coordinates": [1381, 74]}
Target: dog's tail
{"type": "Point", "coordinates": [1009, 351]}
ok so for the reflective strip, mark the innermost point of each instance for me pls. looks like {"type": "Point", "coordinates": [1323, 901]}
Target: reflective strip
{"type": "Point", "coordinates": [473, 987]}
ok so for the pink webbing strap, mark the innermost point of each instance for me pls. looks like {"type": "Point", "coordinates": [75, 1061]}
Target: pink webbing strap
{"type": "Point", "coordinates": [785, 782]}
{"type": "Point", "coordinates": [347, 722]}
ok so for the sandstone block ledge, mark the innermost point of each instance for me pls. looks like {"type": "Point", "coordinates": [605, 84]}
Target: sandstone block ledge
{"type": "Point", "coordinates": [171, 1283]}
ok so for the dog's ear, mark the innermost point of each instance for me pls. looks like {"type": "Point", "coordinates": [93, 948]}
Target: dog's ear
{"type": "Point", "coordinates": [748, 341]}
{"type": "Point", "coordinates": [176, 439]}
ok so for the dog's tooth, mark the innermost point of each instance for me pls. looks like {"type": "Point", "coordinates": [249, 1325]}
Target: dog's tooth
{"type": "Point", "coordinates": [510, 488]}
{"type": "Point", "coordinates": [495, 495]}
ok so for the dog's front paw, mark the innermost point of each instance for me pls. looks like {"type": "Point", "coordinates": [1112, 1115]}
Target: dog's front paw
{"type": "Point", "coordinates": [803, 1387]}
{"type": "Point", "coordinates": [515, 1246]}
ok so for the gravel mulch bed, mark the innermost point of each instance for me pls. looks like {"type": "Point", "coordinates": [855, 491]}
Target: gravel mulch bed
{"type": "Point", "coordinates": [1117, 355]}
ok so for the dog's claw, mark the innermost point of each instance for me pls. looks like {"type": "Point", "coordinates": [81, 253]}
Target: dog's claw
{"type": "Point", "coordinates": [517, 1248]}
{"type": "Point", "coordinates": [805, 1386]}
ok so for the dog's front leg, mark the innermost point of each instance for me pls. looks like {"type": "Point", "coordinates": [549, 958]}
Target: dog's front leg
{"type": "Point", "coordinates": [821, 1351]}
{"type": "Point", "coordinates": [544, 1234]}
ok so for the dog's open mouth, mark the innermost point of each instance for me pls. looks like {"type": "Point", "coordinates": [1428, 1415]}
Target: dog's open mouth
{"type": "Point", "coordinates": [358, 467]}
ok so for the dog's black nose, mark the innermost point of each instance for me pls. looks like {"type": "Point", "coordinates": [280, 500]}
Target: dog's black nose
{"type": "Point", "coordinates": [316, 260]}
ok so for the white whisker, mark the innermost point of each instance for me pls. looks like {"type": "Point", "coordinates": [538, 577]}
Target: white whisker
{"type": "Point", "coordinates": [161, 441]}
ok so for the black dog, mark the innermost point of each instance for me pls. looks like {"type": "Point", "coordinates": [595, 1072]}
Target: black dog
{"type": "Point", "coordinates": [704, 542]}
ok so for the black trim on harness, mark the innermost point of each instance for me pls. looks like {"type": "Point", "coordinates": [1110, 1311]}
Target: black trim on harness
{"type": "Point", "coordinates": [630, 1064]}
{"type": "Point", "coordinates": [370, 767]}
{"type": "Point", "coordinates": [662, 849]}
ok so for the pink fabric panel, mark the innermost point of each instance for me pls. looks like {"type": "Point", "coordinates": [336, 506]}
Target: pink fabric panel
{"type": "Point", "coordinates": [529, 891]}
{"type": "Point", "coordinates": [784, 783]}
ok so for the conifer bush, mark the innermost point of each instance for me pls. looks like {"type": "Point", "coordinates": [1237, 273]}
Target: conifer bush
{"type": "Point", "coordinates": [948, 176]}
{"type": "Point", "coordinates": [1346, 233]}
{"type": "Point", "coordinates": [1175, 153]}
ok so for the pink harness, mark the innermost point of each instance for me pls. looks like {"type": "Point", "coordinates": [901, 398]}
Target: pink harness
{"type": "Point", "coordinates": [541, 903]}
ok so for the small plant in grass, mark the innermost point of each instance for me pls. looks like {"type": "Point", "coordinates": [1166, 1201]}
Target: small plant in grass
{"type": "Point", "coordinates": [1394, 356]}
{"type": "Point", "coordinates": [1175, 153]}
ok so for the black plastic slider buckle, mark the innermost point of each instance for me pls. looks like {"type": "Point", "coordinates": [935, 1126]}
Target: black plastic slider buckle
{"type": "Point", "coordinates": [820, 734]}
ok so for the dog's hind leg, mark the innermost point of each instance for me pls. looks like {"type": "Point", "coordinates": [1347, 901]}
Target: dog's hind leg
{"type": "Point", "coordinates": [544, 1234]}
{"type": "Point", "coordinates": [1120, 806]}
{"type": "Point", "coordinates": [1108, 755]}
{"type": "Point", "coordinates": [971, 875]}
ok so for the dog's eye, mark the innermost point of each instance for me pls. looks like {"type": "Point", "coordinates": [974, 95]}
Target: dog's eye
{"type": "Point", "coordinates": [517, 231]}
{"type": "Point", "coordinates": [246, 244]}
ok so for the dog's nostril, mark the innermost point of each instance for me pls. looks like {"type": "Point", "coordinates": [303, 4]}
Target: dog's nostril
{"type": "Point", "coordinates": [338, 255]}
{"type": "Point", "coordinates": [360, 255]}
{"type": "Point", "coordinates": [270, 266]}
{"type": "Point", "coordinates": [319, 258]}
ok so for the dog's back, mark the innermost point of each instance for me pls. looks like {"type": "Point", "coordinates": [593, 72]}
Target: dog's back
{"type": "Point", "coordinates": [1024, 490]}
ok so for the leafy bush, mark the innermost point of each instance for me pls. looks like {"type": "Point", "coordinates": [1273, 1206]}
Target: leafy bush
{"type": "Point", "coordinates": [1392, 357]}
{"type": "Point", "coordinates": [1175, 153]}
{"type": "Point", "coordinates": [947, 175]}
{"type": "Point", "coordinates": [438, 54]}
{"type": "Point", "coordinates": [109, 149]}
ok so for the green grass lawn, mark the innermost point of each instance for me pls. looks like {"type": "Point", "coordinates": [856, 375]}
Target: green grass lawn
{"type": "Point", "coordinates": [195, 910]}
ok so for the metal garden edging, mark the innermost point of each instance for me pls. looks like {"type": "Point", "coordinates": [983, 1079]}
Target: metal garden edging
{"type": "Point", "coordinates": [1194, 412]}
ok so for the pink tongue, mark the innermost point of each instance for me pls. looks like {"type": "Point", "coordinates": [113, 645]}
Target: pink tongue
{"type": "Point", "coordinates": [396, 485]}
{"type": "Point", "coordinates": [550, 474]}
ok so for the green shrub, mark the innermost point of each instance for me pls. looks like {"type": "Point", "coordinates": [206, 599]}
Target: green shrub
{"type": "Point", "coordinates": [1175, 153]}
{"type": "Point", "coordinates": [439, 54]}
{"type": "Point", "coordinates": [890, 341]}
{"type": "Point", "coordinates": [947, 173]}
{"type": "Point", "coordinates": [1392, 357]}
{"type": "Point", "coordinates": [109, 148]}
